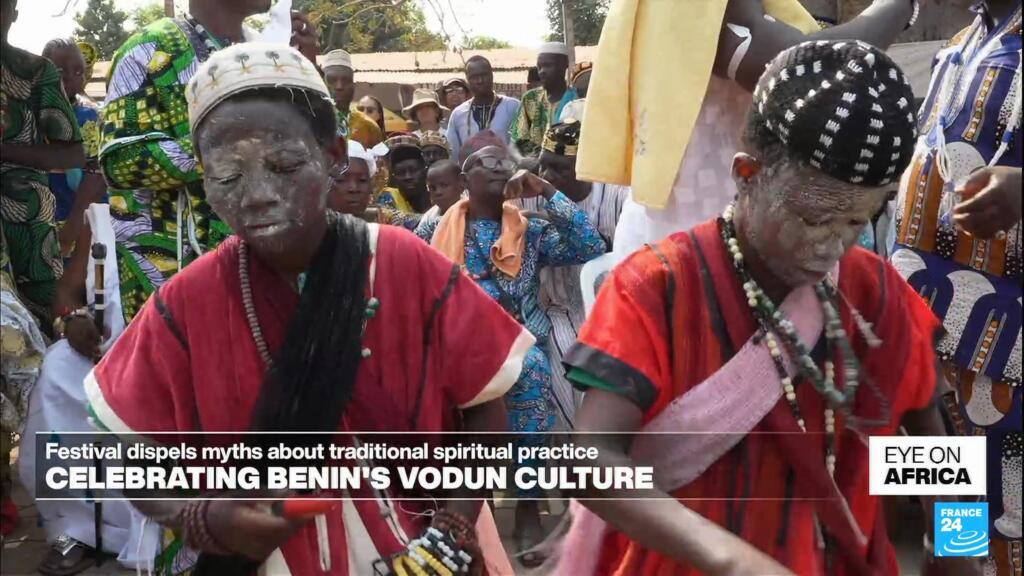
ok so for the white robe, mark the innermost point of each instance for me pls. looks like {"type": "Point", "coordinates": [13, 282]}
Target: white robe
{"type": "Point", "coordinates": [58, 404]}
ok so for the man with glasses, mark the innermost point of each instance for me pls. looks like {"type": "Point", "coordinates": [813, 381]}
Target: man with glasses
{"type": "Point", "coordinates": [505, 252]}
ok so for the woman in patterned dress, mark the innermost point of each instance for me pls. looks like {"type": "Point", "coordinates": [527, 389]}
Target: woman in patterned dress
{"type": "Point", "coordinates": [39, 134]}
{"type": "Point", "coordinates": [75, 189]}
{"type": "Point", "coordinates": [503, 251]}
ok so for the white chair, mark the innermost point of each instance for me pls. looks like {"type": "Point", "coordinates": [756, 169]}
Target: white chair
{"type": "Point", "coordinates": [593, 274]}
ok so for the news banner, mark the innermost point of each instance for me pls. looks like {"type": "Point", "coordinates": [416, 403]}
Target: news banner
{"type": "Point", "coordinates": [99, 466]}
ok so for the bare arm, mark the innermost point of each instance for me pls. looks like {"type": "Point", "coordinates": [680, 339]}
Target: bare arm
{"type": "Point", "coordinates": [662, 524]}
{"type": "Point", "coordinates": [50, 156]}
{"type": "Point", "coordinates": [486, 417]}
{"type": "Point", "coordinates": [878, 25]}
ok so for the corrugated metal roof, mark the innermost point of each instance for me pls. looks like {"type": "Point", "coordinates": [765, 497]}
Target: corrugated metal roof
{"type": "Point", "coordinates": [431, 78]}
{"type": "Point", "coordinates": [510, 65]}
{"type": "Point", "coordinates": [502, 59]}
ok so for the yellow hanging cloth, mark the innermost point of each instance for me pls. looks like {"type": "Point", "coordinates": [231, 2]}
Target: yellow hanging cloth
{"type": "Point", "coordinates": [654, 62]}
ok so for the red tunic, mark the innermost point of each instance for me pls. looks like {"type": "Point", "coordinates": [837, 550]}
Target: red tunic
{"type": "Point", "coordinates": [672, 315]}
{"type": "Point", "coordinates": [210, 377]}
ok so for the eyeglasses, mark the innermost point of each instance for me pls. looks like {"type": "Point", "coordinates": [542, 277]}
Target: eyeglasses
{"type": "Point", "coordinates": [493, 163]}
{"type": "Point", "coordinates": [367, 109]}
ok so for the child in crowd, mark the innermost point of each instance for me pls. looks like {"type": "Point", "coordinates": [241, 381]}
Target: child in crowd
{"type": "Point", "coordinates": [444, 182]}
{"type": "Point", "coordinates": [445, 185]}
{"type": "Point", "coordinates": [352, 191]}
{"type": "Point", "coordinates": [75, 189]}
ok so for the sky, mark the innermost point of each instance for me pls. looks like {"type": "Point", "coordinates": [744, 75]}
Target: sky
{"type": "Point", "coordinates": [519, 22]}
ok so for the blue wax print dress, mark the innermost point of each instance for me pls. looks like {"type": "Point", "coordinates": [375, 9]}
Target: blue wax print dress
{"type": "Point", "coordinates": [567, 239]}
{"type": "Point", "coordinates": [64, 184]}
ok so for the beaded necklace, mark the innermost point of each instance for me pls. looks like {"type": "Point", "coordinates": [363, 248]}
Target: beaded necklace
{"type": "Point", "coordinates": [771, 320]}
{"type": "Point", "coordinates": [773, 327]}
{"type": "Point", "coordinates": [372, 305]}
{"type": "Point", "coordinates": [487, 113]}
{"type": "Point", "coordinates": [211, 42]}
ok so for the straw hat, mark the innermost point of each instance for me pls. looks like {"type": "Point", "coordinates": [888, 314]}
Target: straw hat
{"type": "Point", "coordinates": [434, 138]}
{"type": "Point", "coordinates": [422, 97]}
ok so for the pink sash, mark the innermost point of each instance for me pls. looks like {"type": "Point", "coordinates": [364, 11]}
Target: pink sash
{"type": "Point", "coordinates": [712, 417]}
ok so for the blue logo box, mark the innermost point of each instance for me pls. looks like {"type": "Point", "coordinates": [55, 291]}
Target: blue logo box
{"type": "Point", "coordinates": [961, 529]}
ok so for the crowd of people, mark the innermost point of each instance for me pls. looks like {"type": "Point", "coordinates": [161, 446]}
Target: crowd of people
{"type": "Point", "coordinates": [790, 255]}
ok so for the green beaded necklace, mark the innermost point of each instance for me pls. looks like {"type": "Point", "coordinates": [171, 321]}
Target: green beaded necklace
{"type": "Point", "coordinates": [772, 322]}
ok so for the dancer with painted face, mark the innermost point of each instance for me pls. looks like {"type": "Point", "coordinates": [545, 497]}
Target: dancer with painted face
{"type": "Point", "coordinates": [304, 320]}
{"type": "Point", "coordinates": [770, 324]}
{"type": "Point", "coordinates": [161, 216]}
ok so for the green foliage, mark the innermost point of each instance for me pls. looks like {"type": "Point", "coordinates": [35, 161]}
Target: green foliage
{"type": "Point", "coordinates": [145, 15]}
{"type": "Point", "coordinates": [371, 25]}
{"type": "Point", "coordinates": [483, 43]}
{"type": "Point", "coordinates": [588, 19]}
{"type": "Point", "coordinates": [103, 26]}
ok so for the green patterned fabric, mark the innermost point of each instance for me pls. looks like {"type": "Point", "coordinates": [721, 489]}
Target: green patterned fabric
{"type": "Point", "coordinates": [536, 115]}
{"type": "Point", "coordinates": [34, 111]}
{"type": "Point", "coordinates": [149, 161]}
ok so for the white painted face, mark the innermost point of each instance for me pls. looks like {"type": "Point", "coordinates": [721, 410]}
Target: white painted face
{"type": "Point", "coordinates": [800, 222]}
{"type": "Point", "coordinates": [265, 174]}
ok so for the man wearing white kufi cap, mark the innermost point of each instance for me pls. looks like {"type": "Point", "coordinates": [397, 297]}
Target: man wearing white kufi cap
{"type": "Point", "coordinates": [542, 107]}
{"type": "Point", "coordinates": [339, 74]}
{"type": "Point", "coordinates": [162, 221]}
{"type": "Point", "coordinates": [263, 123]}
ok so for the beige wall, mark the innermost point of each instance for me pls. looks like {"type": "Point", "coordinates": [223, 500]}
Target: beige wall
{"type": "Point", "coordinates": [938, 21]}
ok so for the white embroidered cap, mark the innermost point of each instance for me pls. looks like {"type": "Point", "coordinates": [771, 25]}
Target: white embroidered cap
{"type": "Point", "coordinates": [249, 66]}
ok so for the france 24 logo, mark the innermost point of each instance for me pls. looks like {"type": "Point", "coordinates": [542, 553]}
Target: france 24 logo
{"type": "Point", "coordinates": [961, 529]}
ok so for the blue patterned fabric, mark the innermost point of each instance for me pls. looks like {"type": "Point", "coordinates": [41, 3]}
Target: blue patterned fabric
{"type": "Point", "coordinates": [973, 285]}
{"type": "Point", "coordinates": [64, 184]}
{"type": "Point", "coordinates": [567, 239]}
{"type": "Point", "coordinates": [971, 118]}
{"type": "Point", "coordinates": [397, 213]}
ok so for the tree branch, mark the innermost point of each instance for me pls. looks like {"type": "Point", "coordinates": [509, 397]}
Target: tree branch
{"type": "Point", "coordinates": [67, 6]}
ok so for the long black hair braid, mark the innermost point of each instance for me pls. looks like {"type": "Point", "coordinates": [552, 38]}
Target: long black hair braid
{"type": "Point", "coordinates": [314, 372]}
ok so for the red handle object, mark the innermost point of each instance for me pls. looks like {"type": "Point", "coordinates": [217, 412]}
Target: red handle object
{"type": "Point", "coordinates": [298, 508]}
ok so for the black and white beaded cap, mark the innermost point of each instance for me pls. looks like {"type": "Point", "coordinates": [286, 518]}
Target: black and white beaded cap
{"type": "Point", "coordinates": [844, 107]}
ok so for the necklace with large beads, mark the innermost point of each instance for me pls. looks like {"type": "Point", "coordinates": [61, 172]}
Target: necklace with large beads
{"type": "Point", "coordinates": [248, 304]}
{"type": "Point", "coordinates": [774, 326]}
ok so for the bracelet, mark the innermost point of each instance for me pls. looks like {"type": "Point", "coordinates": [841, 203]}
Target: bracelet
{"type": "Point", "coordinates": [914, 15]}
{"type": "Point", "coordinates": [60, 322]}
{"type": "Point", "coordinates": [196, 529]}
{"type": "Point", "coordinates": [461, 529]}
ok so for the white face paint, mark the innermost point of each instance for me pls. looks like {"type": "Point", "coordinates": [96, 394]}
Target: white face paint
{"type": "Point", "coordinates": [800, 222]}
{"type": "Point", "coordinates": [265, 174]}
